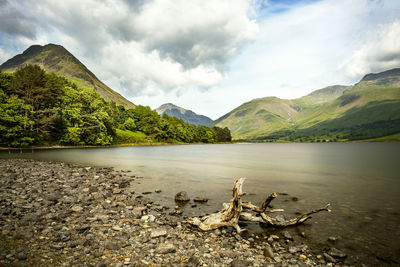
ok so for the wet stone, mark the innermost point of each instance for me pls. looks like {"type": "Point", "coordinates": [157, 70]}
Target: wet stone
{"type": "Point", "coordinates": [336, 253]}
{"type": "Point", "coordinates": [182, 197]}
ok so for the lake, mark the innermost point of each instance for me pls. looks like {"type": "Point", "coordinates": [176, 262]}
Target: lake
{"type": "Point", "coordinates": [361, 181]}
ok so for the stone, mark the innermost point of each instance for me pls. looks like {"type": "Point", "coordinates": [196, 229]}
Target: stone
{"type": "Point", "coordinates": [200, 199]}
{"type": "Point", "coordinates": [148, 218]}
{"type": "Point", "coordinates": [83, 228]}
{"type": "Point", "coordinates": [268, 252]}
{"type": "Point", "coordinates": [182, 197]}
{"type": "Point", "coordinates": [332, 239]}
{"type": "Point", "coordinates": [239, 263]}
{"type": "Point", "coordinates": [76, 208]}
{"type": "Point", "coordinates": [21, 256]}
{"type": "Point", "coordinates": [157, 190]}
{"type": "Point", "coordinates": [230, 254]}
{"type": "Point", "coordinates": [117, 228]}
{"type": "Point", "coordinates": [287, 235]}
{"type": "Point", "coordinates": [293, 249]}
{"type": "Point", "coordinates": [165, 248]}
{"type": "Point", "coordinates": [113, 245]}
{"type": "Point", "coordinates": [158, 232]}
{"type": "Point", "coordinates": [101, 264]}
{"type": "Point", "coordinates": [336, 253]}
{"type": "Point", "coordinates": [329, 258]}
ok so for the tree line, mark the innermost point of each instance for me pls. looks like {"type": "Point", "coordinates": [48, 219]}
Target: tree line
{"type": "Point", "coordinates": [39, 108]}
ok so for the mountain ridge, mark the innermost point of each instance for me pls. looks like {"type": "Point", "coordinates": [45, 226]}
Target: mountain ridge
{"type": "Point", "coordinates": [184, 114]}
{"type": "Point", "coordinates": [367, 109]}
{"type": "Point", "coordinates": [56, 59]}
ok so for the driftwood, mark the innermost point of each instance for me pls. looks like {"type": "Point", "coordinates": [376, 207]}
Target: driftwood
{"type": "Point", "coordinates": [232, 212]}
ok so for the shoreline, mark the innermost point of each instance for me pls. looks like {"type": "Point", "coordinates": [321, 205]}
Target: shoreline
{"type": "Point", "coordinates": [63, 214]}
{"type": "Point", "coordinates": [108, 146]}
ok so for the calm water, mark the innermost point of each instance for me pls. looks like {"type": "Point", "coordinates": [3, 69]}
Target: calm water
{"type": "Point", "coordinates": [360, 180]}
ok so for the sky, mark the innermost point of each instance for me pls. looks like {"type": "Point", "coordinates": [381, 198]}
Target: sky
{"type": "Point", "coordinates": [211, 56]}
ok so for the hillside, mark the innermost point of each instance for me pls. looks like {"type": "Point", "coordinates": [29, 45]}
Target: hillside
{"type": "Point", "coordinates": [56, 59]}
{"type": "Point", "coordinates": [369, 109]}
{"type": "Point", "coordinates": [184, 114]}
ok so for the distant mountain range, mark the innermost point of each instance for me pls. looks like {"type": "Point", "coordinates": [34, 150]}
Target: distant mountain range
{"type": "Point", "coordinates": [366, 110]}
{"type": "Point", "coordinates": [184, 114]}
{"type": "Point", "coordinates": [56, 59]}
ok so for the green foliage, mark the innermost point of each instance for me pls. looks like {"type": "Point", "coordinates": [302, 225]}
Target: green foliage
{"type": "Point", "coordinates": [14, 121]}
{"type": "Point", "coordinates": [129, 137]}
{"type": "Point", "coordinates": [40, 108]}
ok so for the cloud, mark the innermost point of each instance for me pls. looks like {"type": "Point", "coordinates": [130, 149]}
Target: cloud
{"type": "Point", "coordinates": [380, 52]}
{"type": "Point", "coordinates": [144, 47]}
{"type": "Point", "coordinates": [14, 22]}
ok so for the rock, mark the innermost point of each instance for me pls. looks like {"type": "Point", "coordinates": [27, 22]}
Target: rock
{"type": "Point", "coordinates": [268, 252]}
{"type": "Point", "coordinates": [113, 245]}
{"type": "Point", "coordinates": [200, 199]}
{"type": "Point", "coordinates": [166, 248]}
{"type": "Point", "coordinates": [329, 258]}
{"type": "Point", "coordinates": [157, 190]}
{"type": "Point", "coordinates": [336, 253]}
{"type": "Point", "coordinates": [194, 261]}
{"type": "Point", "coordinates": [332, 239]}
{"type": "Point", "coordinates": [239, 263]}
{"type": "Point", "coordinates": [148, 218]}
{"type": "Point", "coordinates": [76, 208]}
{"type": "Point", "coordinates": [101, 264]}
{"type": "Point", "coordinates": [83, 228]}
{"type": "Point", "coordinates": [303, 257]}
{"type": "Point", "coordinates": [117, 228]}
{"type": "Point", "coordinates": [21, 256]}
{"type": "Point", "coordinates": [293, 249]}
{"type": "Point", "coordinates": [20, 263]}
{"type": "Point", "coordinates": [158, 232]}
{"type": "Point", "coordinates": [295, 199]}
{"type": "Point", "coordinates": [57, 246]}
{"type": "Point", "coordinates": [287, 235]}
{"type": "Point", "coordinates": [230, 254]}
{"type": "Point", "coordinates": [182, 197]}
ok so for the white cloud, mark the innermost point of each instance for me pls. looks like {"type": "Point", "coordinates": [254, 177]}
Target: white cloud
{"type": "Point", "coordinates": [380, 52]}
{"type": "Point", "coordinates": [154, 46]}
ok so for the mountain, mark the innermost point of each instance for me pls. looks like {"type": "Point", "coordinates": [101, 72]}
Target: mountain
{"type": "Point", "coordinates": [56, 59]}
{"type": "Point", "coordinates": [369, 109]}
{"type": "Point", "coordinates": [184, 114]}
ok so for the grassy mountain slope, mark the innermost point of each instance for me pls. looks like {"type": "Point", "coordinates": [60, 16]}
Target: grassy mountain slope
{"type": "Point", "coordinates": [259, 117]}
{"type": "Point", "coordinates": [184, 114]}
{"type": "Point", "coordinates": [369, 109]}
{"type": "Point", "coordinates": [56, 59]}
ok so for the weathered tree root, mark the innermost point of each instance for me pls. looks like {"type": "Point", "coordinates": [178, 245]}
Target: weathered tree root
{"type": "Point", "coordinates": [232, 212]}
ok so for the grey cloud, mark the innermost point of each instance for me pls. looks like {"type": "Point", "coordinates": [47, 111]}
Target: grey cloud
{"type": "Point", "coordinates": [13, 22]}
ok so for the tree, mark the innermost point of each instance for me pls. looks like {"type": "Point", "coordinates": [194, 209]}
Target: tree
{"type": "Point", "coordinates": [13, 119]}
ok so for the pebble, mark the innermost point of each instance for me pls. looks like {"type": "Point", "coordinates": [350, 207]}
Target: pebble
{"type": "Point", "coordinates": [67, 215]}
{"type": "Point", "coordinates": [158, 232]}
{"type": "Point", "coordinates": [166, 248]}
{"type": "Point", "coordinates": [182, 197]}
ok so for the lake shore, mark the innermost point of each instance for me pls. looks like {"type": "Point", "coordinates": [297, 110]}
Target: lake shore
{"type": "Point", "coordinates": [29, 149]}
{"type": "Point", "coordinates": [56, 214]}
